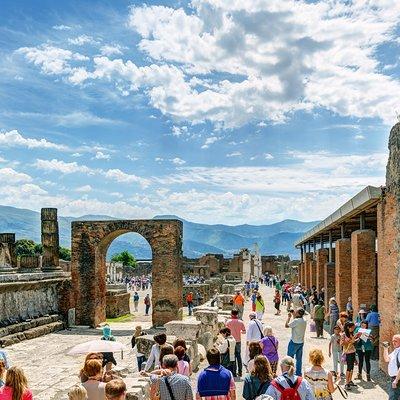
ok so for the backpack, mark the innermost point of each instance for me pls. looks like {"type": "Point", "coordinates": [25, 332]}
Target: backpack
{"type": "Point", "coordinates": [291, 392]}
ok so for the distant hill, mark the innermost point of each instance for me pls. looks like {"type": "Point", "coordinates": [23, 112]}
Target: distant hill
{"type": "Point", "coordinates": [198, 238]}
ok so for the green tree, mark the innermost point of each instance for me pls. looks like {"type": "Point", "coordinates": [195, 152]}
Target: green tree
{"type": "Point", "coordinates": [27, 247]}
{"type": "Point", "coordinates": [125, 258]}
{"type": "Point", "coordinates": [65, 254]}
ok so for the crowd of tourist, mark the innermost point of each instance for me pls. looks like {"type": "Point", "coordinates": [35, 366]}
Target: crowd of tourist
{"type": "Point", "coordinates": [250, 352]}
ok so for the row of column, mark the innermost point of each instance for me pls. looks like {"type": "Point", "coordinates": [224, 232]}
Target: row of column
{"type": "Point", "coordinates": [346, 270]}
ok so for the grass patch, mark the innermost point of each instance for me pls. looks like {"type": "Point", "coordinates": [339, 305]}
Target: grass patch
{"type": "Point", "coordinates": [122, 318]}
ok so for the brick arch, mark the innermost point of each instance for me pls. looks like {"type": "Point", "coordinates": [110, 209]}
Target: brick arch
{"type": "Point", "coordinates": [89, 245]}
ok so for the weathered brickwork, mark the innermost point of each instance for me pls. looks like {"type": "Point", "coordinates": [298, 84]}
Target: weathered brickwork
{"type": "Point", "coordinates": [50, 239]}
{"type": "Point", "coordinates": [308, 269]}
{"type": "Point", "coordinates": [329, 281]}
{"type": "Point", "coordinates": [322, 259]}
{"type": "Point", "coordinates": [343, 272]}
{"type": "Point", "coordinates": [89, 244]}
{"type": "Point", "coordinates": [363, 267]}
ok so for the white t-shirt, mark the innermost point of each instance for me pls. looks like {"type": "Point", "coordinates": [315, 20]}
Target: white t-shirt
{"type": "Point", "coordinates": [392, 367]}
{"type": "Point", "coordinates": [298, 326]}
{"type": "Point", "coordinates": [254, 331]}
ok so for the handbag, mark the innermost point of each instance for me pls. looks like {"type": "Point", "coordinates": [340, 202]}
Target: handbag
{"type": "Point", "coordinates": [155, 393]}
{"type": "Point", "coordinates": [313, 328]}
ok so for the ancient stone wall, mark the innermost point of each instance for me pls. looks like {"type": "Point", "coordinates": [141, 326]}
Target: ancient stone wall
{"type": "Point", "coordinates": [90, 241]}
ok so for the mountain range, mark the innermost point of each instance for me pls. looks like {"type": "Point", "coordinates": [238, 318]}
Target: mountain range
{"type": "Point", "coordinates": [198, 239]}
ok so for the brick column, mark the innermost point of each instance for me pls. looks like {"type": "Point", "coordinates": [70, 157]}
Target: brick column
{"type": "Point", "coordinates": [329, 281]}
{"type": "Point", "coordinates": [308, 262]}
{"type": "Point", "coordinates": [313, 272]}
{"type": "Point", "coordinates": [363, 266]}
{"type": "Point", "coordinates": [322, 259]}
{"type": "Point", "coordinates": [343, 272]}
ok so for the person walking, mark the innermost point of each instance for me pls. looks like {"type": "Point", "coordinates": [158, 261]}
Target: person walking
{"type": "Point", "coordinates": [332, 314]}
{"type": "Point", "coordinates": [298, 326]}
{"type": "Point", "coordinates": [289, 385]}
{"type": "Point", "coordinates": [256, 383]}
{"type": "Point", "coordinates": [147, 303]}
{"type": "Point", "coordinates": [108, 357]}
{"type": "Point", "coordinates": [260, 307]}
{"type": "Point", "coordinates": [253, 300]}
{"type": "Point", "coordinates": [319, 318]}
{"type": "Point", "coordinates": [189, 301]}
{"type": "Point", "coordinates": [335, 351]}
{"type": "Point", "coordinates": [320, 380]}
{"type": "Point", "coordinates": [215, 381]}
{"type": "Point", "coordinates": [227, 349]}
{"type": "Point", "coordinates": [254, 329]}
{"type": "Point", "coordinates": [170, 384]}
{"type": "Point", "coordinates": [364, 348]}
{"type": "Point", "coordinates": [374, 320]}
{"type": "Point", "coordinates": [136, 301]}
{"type": "Point", "coordinates": [94, 386]}
{"type": "Point", "coordinates": [269, 344]}
{"type": "Point", "coordinates": [348, 341]}
{"type": "Point", "coordinates": [160, 339]}
{"type": "Point", "coordinates": [393, 360]}
{"type": "Point", "coordinates": [277, 302]}
{"type": "Point", "coordinates": [237, 327]}
{"type": "Point", "coordinates": [238, 303]}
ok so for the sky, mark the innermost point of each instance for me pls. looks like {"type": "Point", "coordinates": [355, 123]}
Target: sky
{"type": "Point", "coordinates": [218, 111]}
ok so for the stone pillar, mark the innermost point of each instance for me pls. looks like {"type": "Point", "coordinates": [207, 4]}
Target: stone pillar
{"type": "Point", "coordinates": [50, 240]}
{"type": "Point", "coordinates": [322, 259]}
{"type": "Point", "coordinates": [329, 281]}
{"type": "Point", "coordinates": [363, 266]}
{"type": "Point", "coordinates": [343, 272]}
{"type": "Point", "coordinates": [29, 264]}
{"type": "Point", "coordinates": [7, 253]}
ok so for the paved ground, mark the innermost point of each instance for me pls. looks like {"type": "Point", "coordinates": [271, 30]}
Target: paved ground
{"type": "Point", "coordinates": [51, 372]}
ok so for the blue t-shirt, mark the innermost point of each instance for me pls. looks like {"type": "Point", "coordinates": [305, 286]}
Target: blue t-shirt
{"type": "Point", "coordinates": [373, 319]}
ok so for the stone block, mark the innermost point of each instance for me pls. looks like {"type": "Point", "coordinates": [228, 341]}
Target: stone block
{"type": "Point", "coordinates": [117, 303]}
{"type": "Point", "coordinates": [186, 329]}
{"type": "Point", "coordinates": [228, 288]}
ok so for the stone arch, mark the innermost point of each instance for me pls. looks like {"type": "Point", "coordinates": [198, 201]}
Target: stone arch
{"type": "Point", "coordinates": [89, 244]}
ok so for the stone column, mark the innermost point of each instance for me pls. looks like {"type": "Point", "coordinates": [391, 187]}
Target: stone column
{"type": "Point", "coordinates": [363, 266]}
{"type": "Point", "coordinates": [329, 281]}
{"type": "Point", "coordinates": [322, 259]}
{"type": "Point", "coordinates": [7, 253]}
{"type": "Point", "coordinates": [50, 240]}
{"type": "Point", "coordinates": [343, 272]}
{"type": "Point", "coordinates": [308, 263]}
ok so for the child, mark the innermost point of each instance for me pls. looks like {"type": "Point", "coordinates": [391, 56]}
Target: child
{"type": "Point", "coordinates": [335, 351]}
{"type": "Point", "coordinates": [183, 366]}
{"type": "Point", "coordinates": [277, 302]}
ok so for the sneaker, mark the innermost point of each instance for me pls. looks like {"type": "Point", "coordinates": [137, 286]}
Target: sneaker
{"type": "Point", "coordinates": [359, 376]}
{"type": "Point", "coordinates": [368, 377]}
{"type": "Point", "coordinates": [352, 384]}
{"type": "Point", "coordinates": [347, 386]}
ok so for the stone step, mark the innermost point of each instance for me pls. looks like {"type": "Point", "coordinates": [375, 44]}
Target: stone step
{"type": "Point", "coordinates": [29, 324]}
{"type": "Point", "coordinates": [32, 333]}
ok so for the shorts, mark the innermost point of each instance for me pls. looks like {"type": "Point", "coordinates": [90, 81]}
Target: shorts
{"type": "Point", "coordinates": [350, 359]}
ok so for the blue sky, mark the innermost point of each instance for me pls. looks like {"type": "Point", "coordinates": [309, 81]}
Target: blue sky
{"type": "Point", "coordinates": [217, 111]}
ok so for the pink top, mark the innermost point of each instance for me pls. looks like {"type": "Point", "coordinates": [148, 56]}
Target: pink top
{"type": "Point", "coordinates": [183, 367]}
{"type": "Point", "coordinates": [6, 393]}
{"type": "Point", "coordinates": [236, 326]}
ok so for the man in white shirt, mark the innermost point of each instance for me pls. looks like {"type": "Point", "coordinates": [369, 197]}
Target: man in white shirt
{"type": "Point", "coordinates": [394, 366]}
{"type": "Point", "coordinates": [254, 330]}
{"type": "Point", "coordinates": [227, 350]}
{"type": "Point", "coordinates": [296, 343]}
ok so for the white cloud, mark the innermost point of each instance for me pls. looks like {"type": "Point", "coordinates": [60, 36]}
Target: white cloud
{"type": "Point", "coordinates": [9, 175]}
{"type": "Point", "coordinates": [122, 177]}
{"type": "Point", "coordinates": [101, 156]}
{"type": "Point", "coordinates": [111, 50]}
{"type": "Point", "coordinates": [84, 189]}
{"type": "Point", "coordinates": [15, 139]}
{"type": "Point", "coordinates": [55, 165]}
{"type": "Point", "coordinates": [81, 40]}
{"type": "Point", "coordinates": [234, 154]}
{"type": "Point", "coordinates": [62, 27]}
{"type": "Point", "coordinates": [268, 156]}
{"type": "Point", "coordinates": [178, 161]}
{"type": "Point", "coordinates": [209, 141]}
{"type": "Point", "coordinates": [359, 137]}
{"type": "Point", "coordinates": [179, 130]}
{"type": "Point", "coordinates": [51, 60]}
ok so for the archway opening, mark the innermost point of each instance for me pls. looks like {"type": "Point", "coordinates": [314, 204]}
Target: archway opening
{"type": "Point", "coordinates": [128, 266]}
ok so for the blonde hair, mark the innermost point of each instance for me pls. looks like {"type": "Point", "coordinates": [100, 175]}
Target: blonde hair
{"type": "Point", "coordinates": [2, 369]}
{"type": "Point", "coordinates": [77, 392]}
{"type": "Point", "coordinates": [288, 362]}
{"type": "Point", "coordinates": [316, 357]}
{"type": "Point", "coordinates": [268, 331]}
{"type": "Point", "coordinates": [16, 379]}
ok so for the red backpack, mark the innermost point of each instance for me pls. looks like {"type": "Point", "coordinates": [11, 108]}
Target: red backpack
{"type": "Point", "coordinates": [291, 392]}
